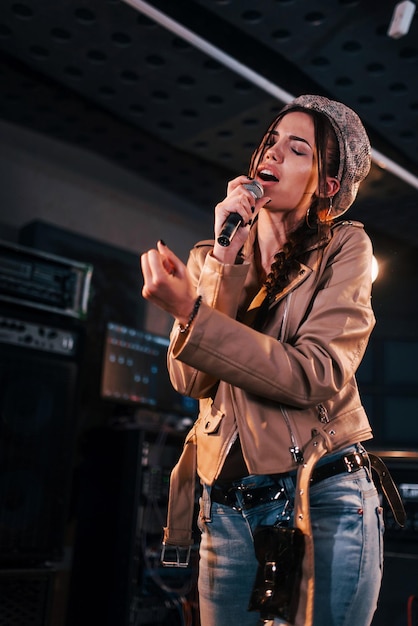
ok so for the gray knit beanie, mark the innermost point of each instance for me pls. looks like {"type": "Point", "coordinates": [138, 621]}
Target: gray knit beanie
{"type": "Point", "coordinates": [353, 142]}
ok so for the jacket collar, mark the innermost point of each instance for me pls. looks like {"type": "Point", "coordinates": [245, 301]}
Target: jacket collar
{"type": "Point", "coordinates": [300, 274]}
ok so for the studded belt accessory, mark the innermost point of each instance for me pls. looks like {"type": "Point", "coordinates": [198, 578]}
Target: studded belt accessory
{"type": "Point", "coordinates": [226, 493]}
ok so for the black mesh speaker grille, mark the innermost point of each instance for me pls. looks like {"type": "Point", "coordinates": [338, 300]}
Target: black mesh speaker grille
{"type": "Point", "coordinates": [25, 598]}
{"type": "Point", "coordinates": [37, 432]}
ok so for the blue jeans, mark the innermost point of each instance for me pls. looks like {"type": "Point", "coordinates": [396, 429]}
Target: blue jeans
{"type": "Point", "coordinates": [347, 528]}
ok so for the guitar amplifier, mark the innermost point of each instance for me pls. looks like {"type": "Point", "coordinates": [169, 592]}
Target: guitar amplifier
{"type": "Point", "coordinates": [40, 280]}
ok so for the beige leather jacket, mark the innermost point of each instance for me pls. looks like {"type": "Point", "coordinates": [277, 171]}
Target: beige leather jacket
{"type": "Point", "coordinates": [274, 388]}
{"type": "Point", "coordinates": [289, 392]}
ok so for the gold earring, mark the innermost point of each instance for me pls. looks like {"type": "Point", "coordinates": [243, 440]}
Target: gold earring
{"type": "Point", "coordinates": [331, 198]}
{"type": "Point", "coordinates": [307, 218]}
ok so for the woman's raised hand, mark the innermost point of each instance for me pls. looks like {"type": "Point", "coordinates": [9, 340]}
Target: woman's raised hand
{"type": "Point", "coordinates": [167, 282]}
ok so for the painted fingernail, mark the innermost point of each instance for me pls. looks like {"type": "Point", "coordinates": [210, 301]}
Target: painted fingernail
{"type": "Point", "coordinates": [162, 242]}
{"type": "Point", "coordinates": [252, 209]}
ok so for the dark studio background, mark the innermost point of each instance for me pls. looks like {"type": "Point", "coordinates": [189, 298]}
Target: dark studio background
{"type": "Point", "coordinates": [115, 131]}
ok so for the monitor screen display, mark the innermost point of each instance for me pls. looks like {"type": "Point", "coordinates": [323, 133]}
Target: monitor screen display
{"type": "Point", "coordinates": [135, 371]}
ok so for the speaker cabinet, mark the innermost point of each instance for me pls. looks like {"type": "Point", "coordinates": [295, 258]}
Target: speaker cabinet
{"type": "Point", "coordinates": [38, 391]}
{"type": "Point", "coordinates": [115, 296]}
{"type": "Point", "coordinates": [25, 597]}
{"type": "Point", "coordinates": [105, 561]}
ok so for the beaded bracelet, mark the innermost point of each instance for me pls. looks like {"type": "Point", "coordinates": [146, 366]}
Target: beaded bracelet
{"type": "Point", "coordinates": [184, 329]}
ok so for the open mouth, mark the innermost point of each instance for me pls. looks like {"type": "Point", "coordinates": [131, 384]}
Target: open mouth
{"type": "Point", "coordinates": [267, 176]}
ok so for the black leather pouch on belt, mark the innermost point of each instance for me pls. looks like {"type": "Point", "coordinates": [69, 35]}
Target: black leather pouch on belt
{"type": "Point", "coordinates": [279, 551]}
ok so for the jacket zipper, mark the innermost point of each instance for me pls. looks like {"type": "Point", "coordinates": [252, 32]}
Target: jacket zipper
{"type": "Point", "coordinates": [323, 414]}
{"type": "Point", "coordinates": [294, 449]}
{"type": "Point", "coordinates": [285, 316]}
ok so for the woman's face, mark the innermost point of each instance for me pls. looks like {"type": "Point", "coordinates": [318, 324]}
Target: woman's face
{"type": "Point", "coordinates": [288, 168]}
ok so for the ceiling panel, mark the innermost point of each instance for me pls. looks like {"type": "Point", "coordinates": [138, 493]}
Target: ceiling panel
{"type": "Point", "coordinates": [104, 76]}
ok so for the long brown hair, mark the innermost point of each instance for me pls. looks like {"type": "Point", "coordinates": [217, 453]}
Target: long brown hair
{"type": "Point", "coordinates": [301, 238]}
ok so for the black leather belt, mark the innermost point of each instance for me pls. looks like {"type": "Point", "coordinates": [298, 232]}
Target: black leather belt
{"type": "Point", "coordinates": [226, 493]}
{"type": "Point", "coordinates": [348, 463]}
{"type": "Point", "coordinates": [248, 498]}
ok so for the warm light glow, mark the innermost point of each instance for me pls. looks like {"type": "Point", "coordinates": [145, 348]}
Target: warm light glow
{"type": "Point", "coordinates": [375, 268]}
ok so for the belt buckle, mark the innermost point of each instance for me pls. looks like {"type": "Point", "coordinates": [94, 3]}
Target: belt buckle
{"type": "Point", "coordinates": [180, 556]}
{"type": "Point", "coordinates": [352, 466]}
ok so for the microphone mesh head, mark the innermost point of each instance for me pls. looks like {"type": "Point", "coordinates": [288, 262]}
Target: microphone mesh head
{"type": "Point", "coordinates": [255, 188]}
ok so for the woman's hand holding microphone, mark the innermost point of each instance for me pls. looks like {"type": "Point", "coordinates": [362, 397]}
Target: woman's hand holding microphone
{"type": "Point", "coordinates": [167, 282]}
{"type": "Point", "coordinates": [234, 216]}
